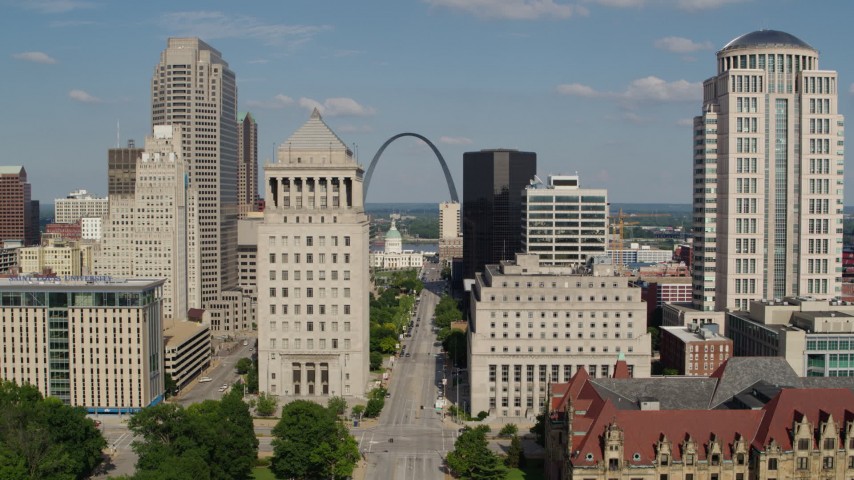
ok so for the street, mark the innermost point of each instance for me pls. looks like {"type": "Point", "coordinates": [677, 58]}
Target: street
{"type": "Point", "coordinates": [411, 438]}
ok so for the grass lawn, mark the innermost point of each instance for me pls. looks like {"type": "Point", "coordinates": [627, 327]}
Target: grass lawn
{"type": "Point", "coordinates": [264, 473]}
{"type": "Point", "coordinates": [530, 473]}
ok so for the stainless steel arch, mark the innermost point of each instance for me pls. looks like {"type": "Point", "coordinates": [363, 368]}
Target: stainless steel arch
{"type": "Point", "coordinates": [448, 178]}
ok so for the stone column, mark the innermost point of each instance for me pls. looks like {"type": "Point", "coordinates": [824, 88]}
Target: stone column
{"type": "Point", "coordinates": [343, 192]}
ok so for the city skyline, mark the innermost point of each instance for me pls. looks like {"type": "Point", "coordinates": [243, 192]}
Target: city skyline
{"type": "Point", "coordinates": [604, 91]}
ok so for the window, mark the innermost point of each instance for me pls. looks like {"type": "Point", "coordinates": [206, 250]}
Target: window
{"type": "Point", "coordinates": [689, 459]}
{"type": "Point", "coordinates": [803, 463]}
{"type": "Point", "coordinates": [827, 463]}
{"type": "Point", "coordinates": [803, 444]}
{"type": "Point", "coordinates": [829, 443]}
{"type": "Point", "coordinates": [772, 464]}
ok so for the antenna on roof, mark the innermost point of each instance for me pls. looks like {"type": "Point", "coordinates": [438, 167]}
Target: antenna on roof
{"type": "Point", "coordinates": [118, 133]}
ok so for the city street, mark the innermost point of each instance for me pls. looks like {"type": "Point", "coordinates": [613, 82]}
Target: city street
{"type": "Point", "coordinates": [411, 438]}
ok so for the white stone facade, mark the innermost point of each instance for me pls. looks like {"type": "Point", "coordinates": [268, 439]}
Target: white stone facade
{"type": "Point", "coordinates": [768, 175]}
{"type": "Point", "coordinates": [532, 325]}
{"type": "Point", "coordinates": [77, 205]}
{"type": "Point", "coordinates": [90, 228]}
{"type": "Point", "coordinates": [312, 265]}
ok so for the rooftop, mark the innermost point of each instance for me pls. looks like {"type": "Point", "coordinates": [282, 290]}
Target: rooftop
{"type": "Point", "coordinates": [176, 333]}
{"type": "Point", "coordinates": [313, 135]}
{"type": "Point", "coordinates": [766, 38]}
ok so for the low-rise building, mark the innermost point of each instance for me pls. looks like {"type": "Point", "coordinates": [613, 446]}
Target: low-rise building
{"type": "Point", "coordinates": [393, 256]}
{"type": "Point", "coordinates": [68, 231]}
{"type": "Point", "coordinates": [754, 418]}
{"type": "Point", "coordinates": [188, 350]}
{"type": "Point", "coordinates": [657, 291]}
{"type": "Point", "coordinates": [694, 349]}
{"type": "Point", "coordinates": [79, 204]}
{"type": "Point", "coordinates": [532, 325]}
{"type": "Point", "coordinates": [59, 256]}
{"type": "Point", "coordinates": [816, 337]}
{"type": "Point", "coordinates": [92, 342]}
{"type": "Point", "coordinates": [684, 314]}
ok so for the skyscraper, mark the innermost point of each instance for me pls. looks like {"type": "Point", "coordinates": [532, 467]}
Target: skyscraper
{"type": "Point", "coordinates": [312, 263]}
{"type": "Point", "coordinates": [247, 163]}
{"type": "Point", "coordinates": [768, 160]}
{"type": "Point", "coordinates": [193, 87]}
{"type": "Point", "coordinates": [493, 185]}
{"type": "Point", "coordinates": [19, 215]}
{"type": "Point", "coordinates": [147, 232]}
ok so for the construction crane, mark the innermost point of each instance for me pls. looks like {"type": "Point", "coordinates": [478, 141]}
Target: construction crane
{"type": "Point", "coordinates": [620, 225]}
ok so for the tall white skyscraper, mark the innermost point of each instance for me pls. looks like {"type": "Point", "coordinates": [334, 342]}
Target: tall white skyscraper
{"type": "Point", "coordinates": [193, 87]}
{"type": "Point", "coordinates": [768, 183]}
{"type": "Point", "coordinates": [312, 269]}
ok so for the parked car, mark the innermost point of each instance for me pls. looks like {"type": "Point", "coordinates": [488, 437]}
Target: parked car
{"type": "Point", "coordinates": [205, 379]}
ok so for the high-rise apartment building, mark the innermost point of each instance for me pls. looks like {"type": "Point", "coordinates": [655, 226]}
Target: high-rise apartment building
{"type": "Point", "coordinates": [93, 342]}
{"type": "Point", "coordinates": [563, 223]}
{"type": "Point", "coordinates": [768, 161]}
{"type": "Point", "coordinates": [150, 239]}
{"type": "Point", "coordinates": [19, 215]}
{"type": "Point", "coordinates": [493, 185]}
{"type": "Point", "coordinates": [193, 87]}
{"type": "Point", "coordinates": [450, 234]}
{"type": "Point", "coordinates": [79, 204]}
{"type": "Point", "coordinates": [313, 280]}
{"type": "Point", "coordinates": [247, 163]}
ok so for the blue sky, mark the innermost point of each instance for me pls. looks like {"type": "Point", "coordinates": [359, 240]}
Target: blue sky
{"type": "Point", "coordinates": [604, 88]}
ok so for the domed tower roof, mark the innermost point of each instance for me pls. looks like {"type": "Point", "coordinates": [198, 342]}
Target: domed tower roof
{"type": "Point", "coordinates": [766, 38]}
{"type": "Point", "coordinates": [392, 232]}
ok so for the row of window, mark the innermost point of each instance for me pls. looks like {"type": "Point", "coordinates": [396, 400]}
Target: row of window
{"type": "Point", "coordinates": [309, 241]}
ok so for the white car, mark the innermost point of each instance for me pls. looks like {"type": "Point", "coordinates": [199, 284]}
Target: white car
{"type": "Point", "coordinates": [205, 379]}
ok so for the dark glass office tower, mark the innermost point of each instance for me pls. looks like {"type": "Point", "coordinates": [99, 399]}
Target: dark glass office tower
{"type": "Point", "coordinates": [493, 182]}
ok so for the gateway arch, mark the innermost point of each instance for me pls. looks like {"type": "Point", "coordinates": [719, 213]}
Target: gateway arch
{"type": "Point", "coordinates": [448, 178]}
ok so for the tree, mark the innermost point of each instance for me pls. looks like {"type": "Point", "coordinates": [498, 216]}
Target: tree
{"type": "Point", "coordinates": [539, 430]}
{"type": "Point", "coordinates": [252, 378]}
{"type": "Point", "coordinates": [508, 430]}
{"type": "Point", "coordinates": [515, 454]}
{"type": "Point", "coordinates": [655, 336]}
{"type": "Point", "coordinates": [337, 405]}
{"type": "Point", "coordinates": [376, 359]}
{"type": "Point", "coordinates": [310, 444]}
{"type": "Point", "coordinates": [472, 459]}
{"type": "Point", "coordinates": [171, 386]}
{"type": "Point", "coordinates": [213, 439]}
{"type": "Point", "coordinates": [455, 344]}
{"type": "Point", "coordinates": [388, 345]}
{"type": "Point", "coordinates": [244, 365]}
{"type": "Point", "coordinates": [357, 411]}
{"type": "Point", "coordinates": [44, 438]}
{"type": "Point", "coordinates": [266, 405]}
{"type": "Point", "coordinates": [374, 407]}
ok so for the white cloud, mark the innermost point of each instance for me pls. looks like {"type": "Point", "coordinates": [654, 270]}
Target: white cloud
{"type": "Point", "coordinates": [511, 9]}
{"type": "Point", "coordinates": [621, 3]}
{"type": "Point", "coordinates": [35, 57]}
{"type": "Point", "coordinates": [54, 6]}
{"type": "Point", "coordinates": [212, 25]}
{"type": "Point", "coordinates": [704, 4]}
{"type": "Point", "coordinates": [278, 101]}
{"type": "Point", "coordinates": [655, 89]}
{"type": "Point", "coordinates": [83, 96]}
{"type": "Point", "coordinates": [681, 45]}
{"type": "Point", "coordinates": [455, 140]}
{"type": "Point", "coordinates": [578, 90]}
{"type": "Point", "coordinates": [648, 89]}
{"type": "Point", "coordinates": [685, 122]}
{"type": "Point", "coordinates": [337, 107]}
{"type": "Point", "coordinates": [681, 4]}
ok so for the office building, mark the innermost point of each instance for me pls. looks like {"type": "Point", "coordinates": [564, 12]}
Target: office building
{"type": "Point", "coordinates": [533, 325]}
{"type": "Point", "coordinates": [658, 291]}
{"type": "Point", "coordinates": [247, 253]}
{"type": "Point", "coordinates": [79, 204]}
{"type": "Point", "coordinates": [768, 162]}
{"type": "Point", "coordinates": [147, 232]}
{"type": "Point", "coordinates": [194, 87]}
{"type": "Point", "coordinates": [639, 254]}
{"type": "Point", "coordinates": [121, 169]}
{"type": "Point", "coordinates": [754, 418]}
{"type": "Point", "coordinates": [563, 223]}
{"type": "Point", "coordinates": [92, 342]}
{"type": "Point", "coordinates": [313, 278]}
{"type": "Point", "coordinates": [450, 234]}
{"type": "Point", "coordinates": [90, 228]}
{"type": "Point", "coordinates": [57, 256]}
{"type": "Point", "coordinates": [19, 214]}
{"type": "Point", "coordinates": [493, 185]}
{"type": "Point", "coordinates": [68, 231]}
{"type": "Point", "coordinates": [694, 350]}
{"type": "Point", "coordinates": [9, 257]}
{"type": "Point", "coordinates": [247, 163]}
{"type": "Point", "coordinates": [816, 337]}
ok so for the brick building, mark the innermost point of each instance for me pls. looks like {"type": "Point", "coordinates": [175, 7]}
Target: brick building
{"type": "Point", "coordinates": [694, 350]}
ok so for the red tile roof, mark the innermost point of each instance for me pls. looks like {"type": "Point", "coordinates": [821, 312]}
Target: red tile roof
{"type": "Point", "coordinates": [816, 404]}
